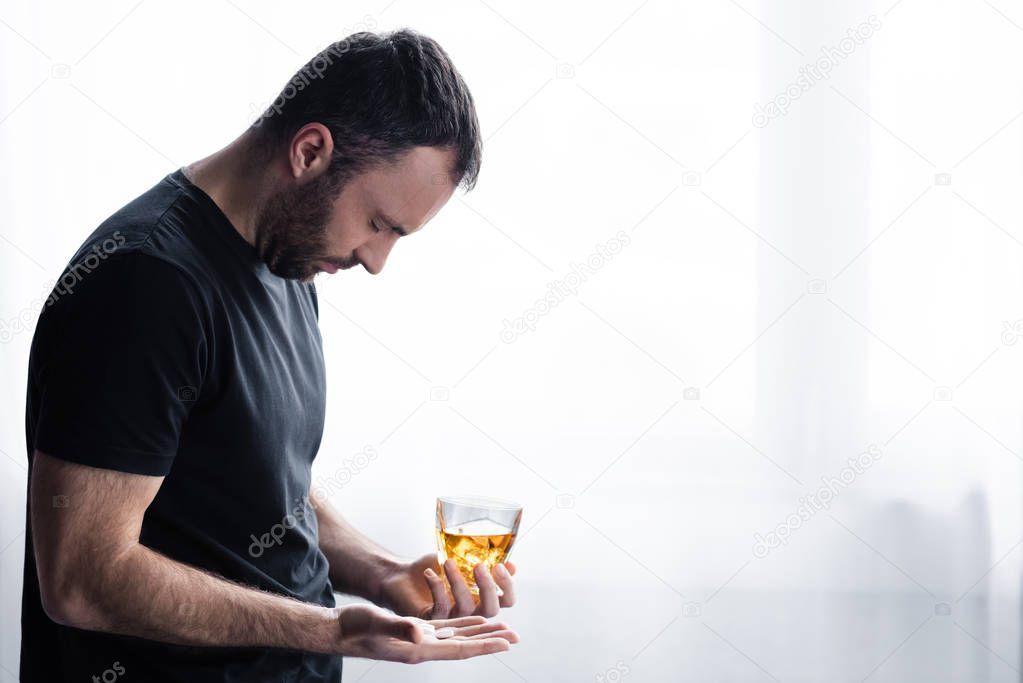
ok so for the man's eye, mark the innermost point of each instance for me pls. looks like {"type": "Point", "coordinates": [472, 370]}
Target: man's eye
{"type": "Point", "coordinates": [374, 226]}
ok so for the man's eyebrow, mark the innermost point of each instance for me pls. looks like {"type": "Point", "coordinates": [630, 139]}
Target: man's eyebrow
{"type": "Point", "coordinates": [394, 224]}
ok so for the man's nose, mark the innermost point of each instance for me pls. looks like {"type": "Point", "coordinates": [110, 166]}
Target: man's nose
{"type": "Point", "coordinates": [374, 256]}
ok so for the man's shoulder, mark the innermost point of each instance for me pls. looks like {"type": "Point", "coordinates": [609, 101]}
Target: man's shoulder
{"type": "Point", "coordinates": [146, 245]}
{"type": "Point", "coordinates": [155, 223]}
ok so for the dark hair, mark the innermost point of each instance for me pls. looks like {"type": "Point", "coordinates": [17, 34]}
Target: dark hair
{"type": "Point", "coordinates": [380, 95]}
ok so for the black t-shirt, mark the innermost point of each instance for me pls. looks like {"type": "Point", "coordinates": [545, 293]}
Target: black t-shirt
{"type": "Point", "coordinates": [168, 348]}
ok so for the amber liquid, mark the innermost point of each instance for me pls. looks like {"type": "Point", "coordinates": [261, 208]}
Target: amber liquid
{"type": "Point", "coordinates": [476, 542]}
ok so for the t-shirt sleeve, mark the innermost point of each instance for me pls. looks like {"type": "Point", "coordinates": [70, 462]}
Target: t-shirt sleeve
{"type": "Point", "coordinates": [124, 364]}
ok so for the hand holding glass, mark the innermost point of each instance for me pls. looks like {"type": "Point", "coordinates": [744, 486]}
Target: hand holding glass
{"type": "Point", "coordinates": [473, 530]}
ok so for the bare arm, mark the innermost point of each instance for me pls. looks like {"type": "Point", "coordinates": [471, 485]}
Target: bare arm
{"type": "Point", "coordinates": [358, 566]}
{"type": "Point", "coordinates": [95, 575]}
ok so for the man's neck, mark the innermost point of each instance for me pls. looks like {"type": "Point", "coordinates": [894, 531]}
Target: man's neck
{"type": "Point", "coordinates": [234, 183]}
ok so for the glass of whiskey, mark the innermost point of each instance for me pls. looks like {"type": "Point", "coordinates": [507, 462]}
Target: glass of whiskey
{"type": "Point", "coordinates": [473, 530]}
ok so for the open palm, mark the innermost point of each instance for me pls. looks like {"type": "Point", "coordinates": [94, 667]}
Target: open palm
{"type": "Point", "coordinates": [368, 631]}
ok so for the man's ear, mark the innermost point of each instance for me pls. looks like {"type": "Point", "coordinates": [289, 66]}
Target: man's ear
{"type": "Point", "coordinates": [310, 152]}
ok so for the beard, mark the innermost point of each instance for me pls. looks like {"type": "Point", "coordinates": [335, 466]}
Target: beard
{"type": "Point", "coordinates": [291, 230]}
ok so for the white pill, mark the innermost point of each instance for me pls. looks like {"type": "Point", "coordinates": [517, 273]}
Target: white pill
{"type": "Point", "coordinates": [445, 632]}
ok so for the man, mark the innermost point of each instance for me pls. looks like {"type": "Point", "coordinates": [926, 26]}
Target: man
{"type": "Point", "coordinates": [176, 401]}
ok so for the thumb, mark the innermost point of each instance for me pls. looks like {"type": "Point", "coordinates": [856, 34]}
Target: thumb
{"type": "Point", "coordinates": [402, 629]}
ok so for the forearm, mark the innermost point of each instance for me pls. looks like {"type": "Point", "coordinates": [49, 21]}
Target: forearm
{"type": "Point", "coordinates": [357, 564]}
{"type": "Point", "coordinates": [148, 595]}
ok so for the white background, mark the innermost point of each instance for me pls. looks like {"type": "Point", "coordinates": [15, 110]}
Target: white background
{"type": "Point", "coordinates": [812, 279]}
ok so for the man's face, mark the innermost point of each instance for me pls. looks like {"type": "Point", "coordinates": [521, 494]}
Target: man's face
{"type": "Point", "coordinates": [307, 229]}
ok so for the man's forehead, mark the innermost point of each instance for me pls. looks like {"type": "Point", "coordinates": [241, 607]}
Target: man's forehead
{"type": "Point", "coordinates": [411, 192]}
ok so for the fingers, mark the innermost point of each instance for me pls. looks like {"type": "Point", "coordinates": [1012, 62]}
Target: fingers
{"type": "Point", "coordinates": [484, 629]}
{"type": "Point", "coordinates": [489, 605]}
{"type": "Point", "coordinates": [462, 649]}
{"type": "Point", "coordinates": [464, 604]}
{"type": "Point", "coordinates": [459, 622]}
{"type": "Point", "coordinates": [442, 602]}
{"type": "Point", "coordinates": [503, 574]}
{"type": "Point", "coordinates": [506, 634]}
